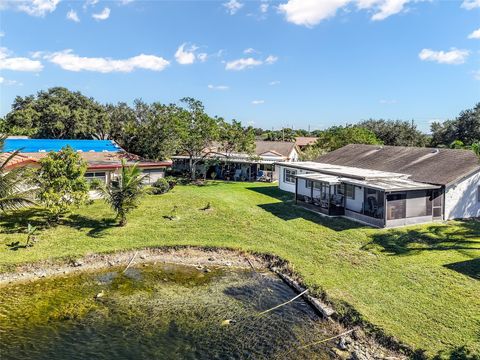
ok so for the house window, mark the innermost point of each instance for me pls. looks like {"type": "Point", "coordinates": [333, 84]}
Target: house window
{"type": "Point", "coordinates": [102, 176]}
{"type": "Point", "coordinates": [308, 184]}
{"type": "Point", "coordinates": [478, 193]}
{"type": "Point", "coordinates": [289, 176]}
{"type": "Point", "coordinates": [351, 191]}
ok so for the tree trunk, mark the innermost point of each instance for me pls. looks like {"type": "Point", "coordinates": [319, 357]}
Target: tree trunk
{"type": "Point", "coordinates": [192, 169]}
{"type": "Point", "coordinates": [123, 220]}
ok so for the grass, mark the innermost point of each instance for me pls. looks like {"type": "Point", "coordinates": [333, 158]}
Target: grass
{"type": "Point", "coordinates": [419, 284]}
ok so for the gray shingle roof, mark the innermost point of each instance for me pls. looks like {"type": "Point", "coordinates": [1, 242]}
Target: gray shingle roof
{"type": "Point", "coordinates": [434, 166]}
{"type": "Point", "coordinates": [283, 148]}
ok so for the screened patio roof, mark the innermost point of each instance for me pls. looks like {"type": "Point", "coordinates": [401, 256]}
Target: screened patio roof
{"type": "Point", "coordinates": [384, 184]}
{"type": "Point", "coordinates": [329, 179]}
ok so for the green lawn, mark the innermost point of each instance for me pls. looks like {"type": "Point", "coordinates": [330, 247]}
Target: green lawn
{"type": "Point", "coordinates": [420, 284]}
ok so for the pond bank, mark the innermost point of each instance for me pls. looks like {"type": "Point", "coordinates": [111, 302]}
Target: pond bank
{"type": "Point", "coordinates": [353, 345]}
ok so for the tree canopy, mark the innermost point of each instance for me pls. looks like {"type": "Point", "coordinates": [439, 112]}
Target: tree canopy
{"type": "Point", "coordinates": [395, 132]}
{"type": "Point", "coordinates": [336, 137]}
{"type": "Point", "coordinates": [465, 128]}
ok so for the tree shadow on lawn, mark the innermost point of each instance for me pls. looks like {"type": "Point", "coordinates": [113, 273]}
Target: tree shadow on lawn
{"type": "Point", "coordinates": [434, 237]}
{"type": "Point", "coordinates": [469, 267]}
{"type": "Point", "coordinates": [287, 210]}
{"type": "Point", "coordinates": [17, 222]}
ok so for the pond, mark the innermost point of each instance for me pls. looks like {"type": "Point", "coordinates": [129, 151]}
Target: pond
{"type": "Point", "coordinates": [158, 312]}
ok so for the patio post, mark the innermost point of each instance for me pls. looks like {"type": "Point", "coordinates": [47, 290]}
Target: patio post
{"type": "Point", "coordinates": [296, 190]}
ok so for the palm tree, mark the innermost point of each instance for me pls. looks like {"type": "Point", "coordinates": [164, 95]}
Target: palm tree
{"type": "Point", "coordinates": [14, 192]}
{"type": "Point", "coordinates": [123, 194]}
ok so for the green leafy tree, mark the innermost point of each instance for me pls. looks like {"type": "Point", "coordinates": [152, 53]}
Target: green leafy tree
{"type": "Point", "coordinates": [466, 128]}
{"type": "Point", "coordinates": [234, 138]}
{"type": "Point", "coordinates": [15, 191]}
{"type": "Point", "coordinates": [123, 194]}
{"type": "Point", "coordinates": [197, 133]}
{"type": "Point", "coordinates": [311, 152]}
{"type": "Point", "coordinates": [57, 113]}
{"type": "Point", "coordinates": [61, 182]}
{"type": "Point", "coordinates": [338, 136]}
{"type": "Point", "coordinates": [285, 134]}
{"type": "Point", "coordinates": [395, 132]}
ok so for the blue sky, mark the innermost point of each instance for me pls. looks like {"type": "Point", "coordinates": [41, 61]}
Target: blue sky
{"type": "Point", "coordinates": [271, 64]}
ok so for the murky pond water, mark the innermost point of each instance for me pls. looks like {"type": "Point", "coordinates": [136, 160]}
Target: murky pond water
{"type": "Point", "coordinates": [157, 312]}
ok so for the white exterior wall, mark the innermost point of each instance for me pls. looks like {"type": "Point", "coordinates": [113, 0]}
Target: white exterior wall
{"type": "Point", "coordinates": [461, 199]}
{"type": "Point", "coordinates": [285, 186]}
{"type": "Point", "coordinates": [357, 203]}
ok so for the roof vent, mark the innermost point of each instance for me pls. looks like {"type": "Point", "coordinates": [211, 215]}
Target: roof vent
{"type": "Point", "coordinates": [380, 148]}
{"type": "Point", "coordinates": [435, 151]}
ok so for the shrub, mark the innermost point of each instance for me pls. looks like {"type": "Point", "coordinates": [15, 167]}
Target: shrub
{"type": "Point", "coordinates": [160, 186]}
{"type": "Point", "coordinates": [172, 181]}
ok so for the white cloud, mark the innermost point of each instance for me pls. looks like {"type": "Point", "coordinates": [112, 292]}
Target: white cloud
{"type": "Point", "coordinates": [244, 63]}
{"type": "Point", "coordinates": [218, 87]}
{"type": "Point", "coordinates": [310, 12]}
{"type": "Point", "coordinates": [386, 8]}
{"type": "Point", "coordinates": [17, 63]}
{"type": "Point", "coordinates": [37, 7]}
{"type": "Point", "coordinates": [103, 15]}
{"type": "Point", "coordinates": [88, 3]}
{"type": "Point", "coordinates": [248, 63]}
{"type": "Point", "coordinates": [2, 34]}
{"type": "Point", "coordinates": [126, 2]}
{"type": "Point", "coordinates": [72, 15]}
{"type": "Point", "coordinates": [264, 7]}
{"type": "Point", "coordinates": [476, 75]}
{"type": "Point", "coordinates": [273, 83]}
{"type": "Point", "coordinates": [271, 59]}
{"type": "Point", "coordinates": [454, 56]}
{"type": "Point", "coordinates": [258, 102]}
{"type": "Point", "coordinates": [185, 56]}
{"type": "Point", "coordinates": [250, 51]}
{"type": "Point", "coordinates": [233, 6]}
{"type": "Point", "coordinates": [7, 82]}
{"type": "Point", "coordinates": [67, 60]}
{"type": "Point", "coordinates": [470, 4]}
{"type": "Point", "coordinates": [475, 34]}
{"type": "Point", "coordinates": [202, 57]}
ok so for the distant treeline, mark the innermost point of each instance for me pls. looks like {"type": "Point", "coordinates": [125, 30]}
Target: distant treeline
{"type": "Point", "coordinates": [159, 130]}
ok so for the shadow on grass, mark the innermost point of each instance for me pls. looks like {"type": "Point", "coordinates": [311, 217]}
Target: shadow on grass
{"type": "Point", "coordinates": [469, 267]}
{"type": "Point", "coordinates": [459, 353]}
{"type": "Point", "coordinates": [462, 235]}
{"type": "Point", "coordinates": [286, 210]}
{"type": "Point", "coordinates": [17, 222]}
{"type": "Point", "coordinates": [96, 227]}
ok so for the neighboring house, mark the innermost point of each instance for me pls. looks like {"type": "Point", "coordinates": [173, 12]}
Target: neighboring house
{"type": "Point", "coordinates": [303, 141]}
{"type": "Point", "coordinates": [103, 157]}
{"type": "Point", "coordinates": [387, 186]}
{"type": "Point", "coordinates": [258, 166]}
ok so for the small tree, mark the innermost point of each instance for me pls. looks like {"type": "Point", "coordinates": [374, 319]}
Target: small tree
{"type": "Point", "coordinates": [124, 193]}
{"type": "Point", "coordinates": [61, 182]}
{"type": "Point", "coordinates": [197, 132]}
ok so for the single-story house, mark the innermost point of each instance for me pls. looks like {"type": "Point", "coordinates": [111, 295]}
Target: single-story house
{"type": "Point", "coordinates": [258, 166]}
{"type": "Point", "coordinates": [303, 141]}
{"type": "Point", "coordinates": [388, 186]}
{"type": "Point", "coordinates": [103, 157]}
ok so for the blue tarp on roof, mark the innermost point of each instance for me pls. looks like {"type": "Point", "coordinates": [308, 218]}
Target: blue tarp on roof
{"type": "Point", "coordinates": [46, 145]}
